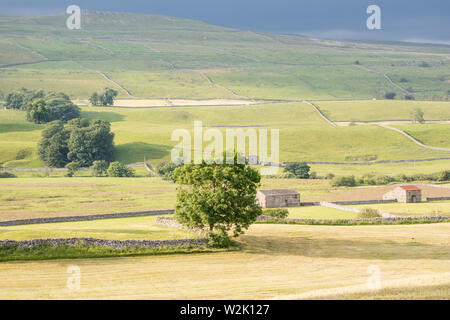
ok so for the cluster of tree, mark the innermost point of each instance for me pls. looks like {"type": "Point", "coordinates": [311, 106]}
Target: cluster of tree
{"type": "Point", "coordinates": [218, 197]}
{"type": "Point", "coordinates": [417, 116]}
{"type": "Point", "coordinates": [101, 168]}
{"type": "Point", "coordinates": [166, 170]}
{"type": "Point", "coordinates": [78, 141]}
{"type": "Point", "coordinates": [104, 98]}
{"type": "Point", "coordinates": [43, 107]}
{"type": "Point", "coordinates": [6, 174]}
{"type": "Point", "coordinates": [299, 170]}
{"type": "Point", "coordinates": [370, 179]}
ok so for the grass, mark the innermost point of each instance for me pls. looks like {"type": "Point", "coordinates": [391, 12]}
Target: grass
{"type": "Point", "coordinates": [383, 110]}
{"type": "Point", "coordinates": [318, 212]}
{"type": "Point", "coordinates": [437, 135]}
{"type": "Point", "coordinates": [142, 228]}
{"type": "Point", "coordinates": [434, 208]}
{"type": "Point", "coordinates": [47, 252]}
{"type": "Point", "coordinates": [316, 257]}
{"type": "Point", "coordinates": [23, 198]}
{"type": "Point", "coordinates": [147, 133]}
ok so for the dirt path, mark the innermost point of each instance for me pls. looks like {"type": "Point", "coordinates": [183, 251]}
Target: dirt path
{"type": "Point", "coordinates": [320, 113]}
{"type": "Point", "coordinates": [412, 138]}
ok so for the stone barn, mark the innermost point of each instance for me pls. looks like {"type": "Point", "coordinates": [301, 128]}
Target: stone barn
{"type": "Point", "coordinates": [278, 198]}
{"type": "Point", "coordinates": [404, 194]}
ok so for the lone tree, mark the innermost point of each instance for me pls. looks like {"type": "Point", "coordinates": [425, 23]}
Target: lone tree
{"type": "Point", "coordinates": [105, 98]}
{"type": "Point", "coordinates": [298, 170]}
{"type": "Point", "coordinates": [219, 197]}
{"type": "Point", "coordinates": [417, 116]}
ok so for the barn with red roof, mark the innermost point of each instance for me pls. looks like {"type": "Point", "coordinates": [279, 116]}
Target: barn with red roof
{"type": "Point", "coordinates": [404, 194]}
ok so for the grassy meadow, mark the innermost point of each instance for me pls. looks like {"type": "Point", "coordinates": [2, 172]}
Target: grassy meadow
{"type": "Point", "coordinates": [435, 208]}
{"type": "Point", "coordinates": [142, 228]}
{"type": "Point", "coordinates": [304, 136]}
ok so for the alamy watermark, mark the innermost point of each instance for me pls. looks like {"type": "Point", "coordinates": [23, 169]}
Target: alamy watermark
{"type": "Point", "coordinates": [74, 20]}
{"type": "Point", "coordinates": [74, 280]}
{"type": "Point", "coordinates": [374, 280]}
{"type": "Point", "coordinates": [374, 20]}
{"type": "Point", "coordinates": [235, 143]}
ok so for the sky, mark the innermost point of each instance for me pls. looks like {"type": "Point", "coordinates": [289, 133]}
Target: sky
{"type": "Point", "coordinates": [404, 20]}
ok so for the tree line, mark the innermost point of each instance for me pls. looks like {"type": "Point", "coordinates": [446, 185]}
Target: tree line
{"type": "Point", "coordinates": [42, 107]}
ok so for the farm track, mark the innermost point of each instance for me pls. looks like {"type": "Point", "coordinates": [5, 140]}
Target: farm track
{"type": "Point", "coordinates": [412, 138]}
{"type": "Point", "coordinates": [320, 113]}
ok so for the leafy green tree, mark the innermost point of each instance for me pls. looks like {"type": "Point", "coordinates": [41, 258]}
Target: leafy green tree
{"type": "Point", "coordinates": [87, 144]}
{"type": "Point", "coordinates": [298, 170]}
{"type": "Point", "coordinates": [219, 197]}
{"type": "Point", "coordinates": [22, 98]}
{"type": "Point", "coordinates": [94, 99]}
{"type": "Point", "coordinates": [14, 100]}
{"type": "Point", "coordinates": [166, 170]}
{"type": "Point", "coordinates": [390, 95]}
{"type": "Point", "coordinates": [344, 181]}
{"type": "Point", "coordinates": [417, 116]}
{"type": "Point", "coordinates": [106, 98]}
{"type": "Point", "coordinates": [117, 169]}
{"type": "Point", "coordinates": [53, 147]}
{"type": "Point", "coordinates": [78, 141]}
{"type": "Point", "coordinates": [72, 168]}
{"type": "Point", "coordinates": [38, 112]}
{"type": "Point", "coordinates": [61, 107]}
{"type": "Point", "coordinates": [99, 168]}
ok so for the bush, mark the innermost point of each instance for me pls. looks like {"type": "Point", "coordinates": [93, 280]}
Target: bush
{"type": "Point", "coordinates": [99, 168]}
{"type": "Point", "coordinates": [409, 97]}
{"type": "Point", "coordinates": [390, 95]}
{"type": "Point", "coordinates": [299, 170]}
{"type": "Point", "coordinates": [383, 180]}
{"type": "Point", "coordinates": [117, 169]}
{"type": "Point", "coordinates": [344, 181]}
{"type": "Point", "coordinates": [5, 174]}
{"type": "Point", "coordinates": [368, 179]}
{"type": "Point", "coordinates": [277, 213]}
{"type": "Point", "coordinates": [369, 213]}
{"type": "Point", "coordinates": [330, 176]}
{"type": "Point", "coordinates": [72, 168]}
{"type": "Point", "coordinates": [166, 169]}
{"type": "Point", "coordinates": [219, 240]}
{"type": "Point", "coordinates": [22, 154]}
{"type": "Point", "coordinates": [444, 176]}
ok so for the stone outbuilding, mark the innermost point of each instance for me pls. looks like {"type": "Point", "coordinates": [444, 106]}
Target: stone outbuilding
{"type": "Point", "coordinates": [404, 194]}
{"type": "Point", "coordinates": [278, 198]}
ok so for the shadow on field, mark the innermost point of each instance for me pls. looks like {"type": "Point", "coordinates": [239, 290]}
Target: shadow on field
{"type": "Point", "coordinates": [14, 127]}
{"type": "Point", "coordinates": [136, 151]}
{"type": "Point", "coordinates": [107, 116]}
{"type": "Point", "coordinates": [347, 249]}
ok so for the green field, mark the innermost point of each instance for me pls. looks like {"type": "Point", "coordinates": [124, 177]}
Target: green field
{"type": "Point", "coordinates": [376, 110]}
{"type": "Point", "coordinates": [304, 136]}
{"type": "Point", "coordinates": [318, 212]}
{"type": "Point", "coordinates": [437, 135]}
{"type": "Point", "coordinates": [142, 228]}
{"type": "Point", "coordinates": [157, 56]}
{"type": "Point", "coordinates": [434, 208]}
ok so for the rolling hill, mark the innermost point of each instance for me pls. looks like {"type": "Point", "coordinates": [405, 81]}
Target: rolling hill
{"type": "Point", "coordinates": [148, 56]}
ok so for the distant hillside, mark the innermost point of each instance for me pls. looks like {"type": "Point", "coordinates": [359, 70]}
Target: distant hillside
{"type": "Point", "coordinates": [157, 57]}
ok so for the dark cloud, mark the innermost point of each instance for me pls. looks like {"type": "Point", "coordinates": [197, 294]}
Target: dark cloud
{"type": "Point", "coordinates": [401, 19]}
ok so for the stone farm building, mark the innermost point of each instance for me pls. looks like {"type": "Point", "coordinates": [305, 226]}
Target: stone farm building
{"type": "Point", "coordinates": [404, 194]}
{"type": "Point", "coordinates": [278, 198]}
